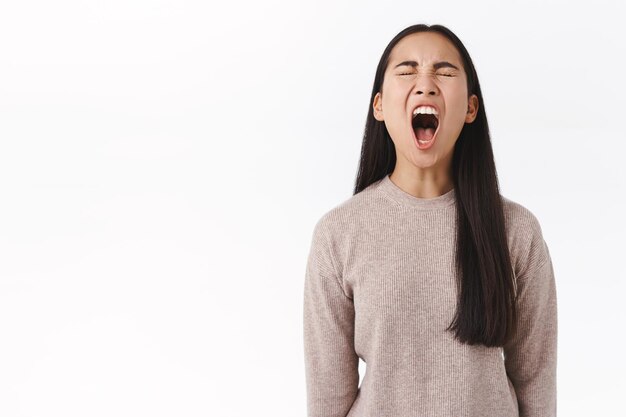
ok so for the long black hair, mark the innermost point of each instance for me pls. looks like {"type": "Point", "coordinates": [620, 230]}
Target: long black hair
{"type": "Point", "coordinates": [486, 311]}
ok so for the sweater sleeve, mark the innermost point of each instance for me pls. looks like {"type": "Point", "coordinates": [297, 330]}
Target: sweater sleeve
{"type": "Point", "coordinates": [531, 355]}
{"type": "Point", "coordinates": [331, 364]}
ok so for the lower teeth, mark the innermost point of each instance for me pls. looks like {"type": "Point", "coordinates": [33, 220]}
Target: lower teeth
{"type": "Point", "coordinates": [424, 141]}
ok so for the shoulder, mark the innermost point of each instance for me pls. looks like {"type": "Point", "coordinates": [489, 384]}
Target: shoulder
{"type": "Point", "coordinates": [349, 214]}
{"type": "Point", "coordinates": [335, 229]}
{"type": "Point", "coordinates": [519, 216]}
{"type": "Point", "coordinates": [527, 245]}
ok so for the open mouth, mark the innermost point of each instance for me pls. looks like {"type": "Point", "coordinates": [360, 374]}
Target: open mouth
{"type": "Point", "coordinates": [425, 126]}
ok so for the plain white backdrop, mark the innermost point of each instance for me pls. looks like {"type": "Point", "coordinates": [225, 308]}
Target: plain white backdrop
{"type": "Point", "coordinates": [162, 164]}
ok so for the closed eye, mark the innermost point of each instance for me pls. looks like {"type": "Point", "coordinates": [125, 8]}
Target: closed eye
{"type": "Point", "coordinates": [445, 75]}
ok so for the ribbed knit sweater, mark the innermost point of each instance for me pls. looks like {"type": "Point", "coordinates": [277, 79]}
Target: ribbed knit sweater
{"type": "Point", "coordinates": [380, 285]}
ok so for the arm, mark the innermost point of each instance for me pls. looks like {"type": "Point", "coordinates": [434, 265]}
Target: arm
{"type": "Point", "coordinates": [531, 356]}
{"type": "Point", "coordinates": [331, 363]}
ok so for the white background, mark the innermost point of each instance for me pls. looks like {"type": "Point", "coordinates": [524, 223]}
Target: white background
{"type": "Point", "coordinates": [162, 164]}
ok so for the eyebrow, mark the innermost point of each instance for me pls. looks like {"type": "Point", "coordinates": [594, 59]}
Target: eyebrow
{"type": "Point", "coordinates": [436, 65]}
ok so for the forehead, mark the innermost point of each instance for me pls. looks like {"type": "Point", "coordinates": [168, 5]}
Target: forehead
{"type": "Point", "coordinates": [425, 48]}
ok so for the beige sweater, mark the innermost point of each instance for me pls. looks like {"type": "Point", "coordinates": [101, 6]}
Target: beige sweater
{"type": "Point", "coordinates": [380, 286]}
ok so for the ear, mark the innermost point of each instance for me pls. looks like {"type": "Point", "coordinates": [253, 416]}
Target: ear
{"type": "Point", "coordinates": [472, 109]}
{"type": "Point", "coordinates": [377, 106]}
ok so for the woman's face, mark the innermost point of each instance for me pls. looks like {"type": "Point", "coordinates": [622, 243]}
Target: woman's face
{"type": "Point", "coordinates": [413, 76]}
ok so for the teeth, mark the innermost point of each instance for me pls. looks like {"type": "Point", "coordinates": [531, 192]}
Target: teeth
{"type": "Point", "coordinates": [425, 110]}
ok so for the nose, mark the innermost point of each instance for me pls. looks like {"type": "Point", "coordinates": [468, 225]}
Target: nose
{"type": "Point", "coordinates": [425, 85]}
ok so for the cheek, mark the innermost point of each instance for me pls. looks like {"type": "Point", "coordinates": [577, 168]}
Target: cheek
{"type": "Point", "coordinates": [457, 107]}
{"type": "Point", "coordinates": [393, 107]}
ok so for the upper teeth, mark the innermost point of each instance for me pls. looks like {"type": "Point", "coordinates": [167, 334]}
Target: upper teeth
{"type": "Point", "coordinates": [425, 110]}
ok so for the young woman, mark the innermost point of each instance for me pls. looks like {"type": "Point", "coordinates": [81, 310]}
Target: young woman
{"type": "Point", "coordinates": [442, 286]}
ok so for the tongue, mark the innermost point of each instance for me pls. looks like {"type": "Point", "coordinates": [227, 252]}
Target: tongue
{"type": "Point", "coordinates": [424, 133]}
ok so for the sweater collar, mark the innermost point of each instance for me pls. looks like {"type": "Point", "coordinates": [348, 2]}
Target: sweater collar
{"type": "Point", "coordinates": [405, 199]}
